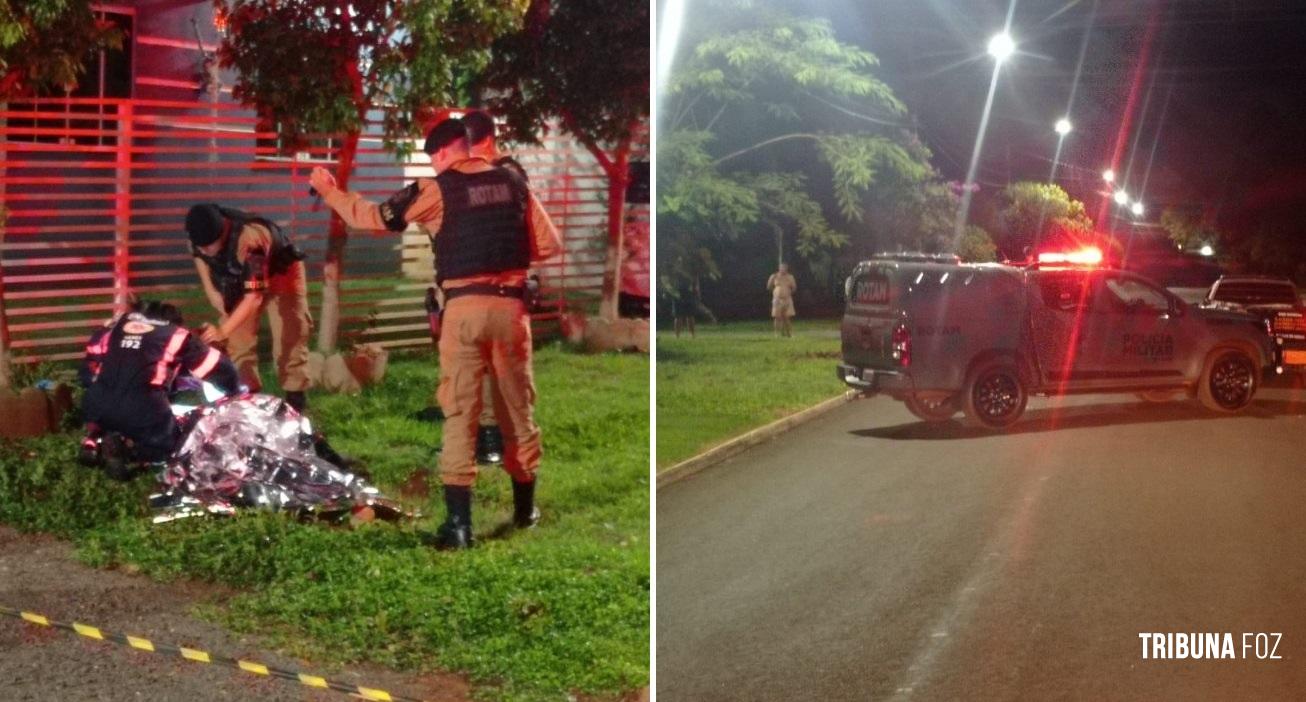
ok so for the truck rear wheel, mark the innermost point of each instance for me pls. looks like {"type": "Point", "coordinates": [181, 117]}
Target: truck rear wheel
{"type": "Point", "coordinates": [1228, 381]}
{"type": "Point", "coordinates": [931, 410]}
{"type": "Point", "coordinates": [995, 394]}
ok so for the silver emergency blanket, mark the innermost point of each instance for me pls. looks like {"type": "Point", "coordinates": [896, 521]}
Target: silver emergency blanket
{"type": "Point", "coordinates": [256, 451]}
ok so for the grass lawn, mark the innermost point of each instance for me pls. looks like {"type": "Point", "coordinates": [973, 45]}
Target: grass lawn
{"type": "Point", "coordinates": [541, 615]}
{"type": "Point", "coordinates": [736, 377]}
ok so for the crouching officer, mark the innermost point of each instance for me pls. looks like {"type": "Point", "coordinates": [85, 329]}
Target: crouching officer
{"type": "Point", "coordinates": [128, 371]}
{"type": "Point", "coordinates": [246, 265]}
{"type": "Point", "coordinates": [486, 228]}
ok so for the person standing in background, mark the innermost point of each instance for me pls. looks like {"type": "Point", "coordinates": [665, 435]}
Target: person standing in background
{"type": "Point", "coordinates": [782, 286]}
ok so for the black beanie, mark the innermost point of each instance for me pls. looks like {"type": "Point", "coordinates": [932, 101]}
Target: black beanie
{"type": "Point", "coordinates": [445, 133]}
{"type": "Point", "coordinates": [204, 224]}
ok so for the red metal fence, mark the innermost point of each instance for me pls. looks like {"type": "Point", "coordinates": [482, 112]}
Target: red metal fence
{"type": "Point", "coordinates": [96, 191]}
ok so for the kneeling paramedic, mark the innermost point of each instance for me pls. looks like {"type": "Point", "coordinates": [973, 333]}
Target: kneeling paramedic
{"type": "Point", "coordinates": [486, 228]}
{"type": "Point", "coordinates": [128, 372]}
{"type": "Point", "coordinates": [247, 264]}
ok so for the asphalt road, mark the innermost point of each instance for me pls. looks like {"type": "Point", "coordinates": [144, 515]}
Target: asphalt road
{"type": "Point", "coordinates": [867, 555]}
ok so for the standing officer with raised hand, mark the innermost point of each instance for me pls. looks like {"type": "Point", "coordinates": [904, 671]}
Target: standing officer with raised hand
{"type": "Point", "coordinates": [486, 228]}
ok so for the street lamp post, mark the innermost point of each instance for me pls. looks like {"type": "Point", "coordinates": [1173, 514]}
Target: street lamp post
{"type": "Point", "coordinates": [1000, 47]}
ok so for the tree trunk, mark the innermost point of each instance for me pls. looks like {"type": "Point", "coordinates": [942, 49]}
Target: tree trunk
{"type": "Point", "coordinates": [618, 179]}
{"type": "Point", "coordinates": [617, 169]}
{"type": "Point", "coordinates": [328, 333]}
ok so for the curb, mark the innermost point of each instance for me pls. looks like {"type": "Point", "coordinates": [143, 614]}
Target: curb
{"type": "Point", "coordinates": [739, 444]}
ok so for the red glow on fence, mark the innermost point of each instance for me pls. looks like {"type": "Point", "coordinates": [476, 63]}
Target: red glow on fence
{"type": "Point", "coordinates": [96, 191]}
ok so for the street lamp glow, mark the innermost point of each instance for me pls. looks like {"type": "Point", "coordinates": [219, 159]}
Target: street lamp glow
{"type": "Point", "coordinates": [1121, 197]}
{"type": "Point", "coordinates": [1137, 209]}
{"type": "Point", "coordinates": [1109, 175]}
{"type": "Point", "coordinates": [1001, 46]}
{"type": "Point", "coordinates": [1207, 250]}
{"type": "Point", "coordinates": [1063, 126]}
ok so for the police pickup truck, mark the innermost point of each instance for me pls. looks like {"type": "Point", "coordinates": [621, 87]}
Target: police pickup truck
{"type": "Point", "coordinates": [944, 337]}
{"type": "Point", "coordinates": [1275, 300]}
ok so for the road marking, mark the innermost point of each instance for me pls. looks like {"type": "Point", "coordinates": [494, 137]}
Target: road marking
{"type": "Point", "coordinates": [985, 572]}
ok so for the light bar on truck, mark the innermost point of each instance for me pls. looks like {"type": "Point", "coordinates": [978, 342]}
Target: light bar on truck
{"type": "Point", "coordinates": [1088, 256]}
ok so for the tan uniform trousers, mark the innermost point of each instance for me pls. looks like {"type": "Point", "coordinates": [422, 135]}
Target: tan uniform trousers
{"type": "Point", "coordinates": [291, 328]}
{"type": "Point", "coordinates": [487, 335]}
{"type": "Point", "coordinates": [487, 402]}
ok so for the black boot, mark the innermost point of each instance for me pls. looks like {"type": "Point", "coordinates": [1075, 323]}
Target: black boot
{"type": "Point", "coordinates": [297, 399]}
{"type": "Point", "coordinates": [429, 414]}
{"type": "Point", "coordinates": [88, 454]}
{"type": "Point", "coordinates": [456, 532]}
{"type": "Point", "coordinates": [117, 456]}
{"type": "Point", "coordinates": [489, 445]}
{"type": "Point", "coordinates": [524, 512]}
{"type": "Point", "coordinates": [327, 452]}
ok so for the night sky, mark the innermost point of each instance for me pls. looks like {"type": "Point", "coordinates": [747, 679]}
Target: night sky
{"type": "Point", "coordinates": [1219, 111]}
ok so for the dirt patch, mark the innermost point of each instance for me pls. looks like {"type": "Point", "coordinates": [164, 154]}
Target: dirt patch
{"type": "Point", "coordinates": [39, 574]}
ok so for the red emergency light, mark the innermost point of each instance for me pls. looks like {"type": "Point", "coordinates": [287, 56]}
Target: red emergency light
{"type": "Point", "coordinates": [1087, 256]}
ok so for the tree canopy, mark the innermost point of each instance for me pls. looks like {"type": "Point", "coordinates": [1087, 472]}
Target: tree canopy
{"type": "Point", "coordinates": [585, 63]}
{"type": "Point", "coordinates": [44, 44]}
{"type": "Point", "coordinates": [312, 67]}
{"type": "Point", "coordinates": [582, 61]}
{"type": "Point", "coordinates": [1033, 213]}
{"type": "Point", "coordinates": [1187, 230]}
{"type": "Point", "coordinates": [771, 127]}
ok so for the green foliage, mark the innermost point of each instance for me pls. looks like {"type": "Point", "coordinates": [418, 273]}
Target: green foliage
{"type": "Point", "coordinates": [1035, 212]}
{"type": "Point", "coordinates": [910, 214]}
{"type": "Point", "coordinates": [1187, 229]}
{"type": "Point", "coordinates": [732, 168]}
{"type": "Point", "coordinates": [585, 61]}
{"type": "Point", "coordinates": [316, 68]}
{"type": "Point", "coordinates": [736, 377]}
{"type": "Point", "coordinates": [44, 44]}
{"type": "Point", "coordinates": [1273, 245]}
{"type": "Point", "coordinates": [785, 203]}
{"type": "Point", "coordinates": [976, 246]}
{"type": "Point", "coordinates": [561, 610]}
{"type": "Point", "coordinates": [757, 55]}
{"type": "Point", "coordinates": [859, 161]}
{"type": "Point", "coordinates": [693, 194]}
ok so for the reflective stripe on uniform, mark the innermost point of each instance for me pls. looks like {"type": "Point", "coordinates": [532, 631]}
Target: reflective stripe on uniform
{"type": "Point", "coordinates": [169, 353]}
{"type": "Point", "coordinates": [207, 365]}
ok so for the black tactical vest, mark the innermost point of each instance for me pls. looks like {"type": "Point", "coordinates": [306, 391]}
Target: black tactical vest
{"type": "Point", "coordinates": [511, 164]}
{"type": "Point", "coordinates": [227, 274]}
{"type": "Point", "coordinates": [484, 225]}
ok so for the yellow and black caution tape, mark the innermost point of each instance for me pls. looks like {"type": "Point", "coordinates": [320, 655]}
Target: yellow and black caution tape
{"type": "Point", "coordinates": [199, 656]}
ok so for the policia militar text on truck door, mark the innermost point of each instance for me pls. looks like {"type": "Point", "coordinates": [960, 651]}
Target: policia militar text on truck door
{"type": "Point", "coordinates": [943, 337]}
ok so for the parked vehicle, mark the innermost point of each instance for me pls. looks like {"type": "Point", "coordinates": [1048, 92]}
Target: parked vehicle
{"type": "Point", "coordinates": [1275, 300]}
{"type": "Point", "coordinates": [983, 338]}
